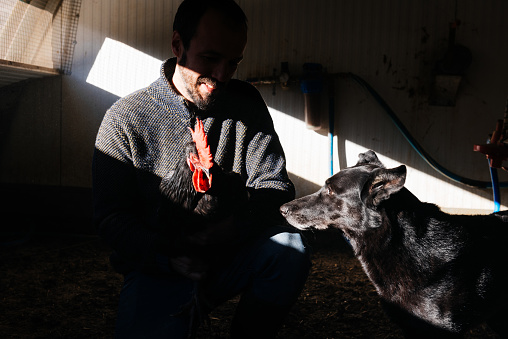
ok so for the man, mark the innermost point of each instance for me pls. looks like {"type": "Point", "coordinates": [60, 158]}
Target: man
{"type": "Point", "coordinates": [140, 141]}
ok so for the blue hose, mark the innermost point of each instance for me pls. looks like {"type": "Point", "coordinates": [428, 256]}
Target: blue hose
{"type": "Point", "coordinates": [495, 188]}
{"type": "Point", "coordinates": [434, 164]}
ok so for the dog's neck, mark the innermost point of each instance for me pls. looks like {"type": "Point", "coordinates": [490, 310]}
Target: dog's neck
{"type": "Point", "coordinates": [393, 243]}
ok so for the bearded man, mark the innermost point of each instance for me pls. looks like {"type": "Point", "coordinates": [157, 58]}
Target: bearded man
{"type": "Point", "coordinates": [140, 141]}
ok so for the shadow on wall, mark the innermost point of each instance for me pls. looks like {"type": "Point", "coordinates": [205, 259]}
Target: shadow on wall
{"type": "Point", "coordinates": [10, 97]}
{"type": "Point", "coordinates": [30, 131]}
{"type": "Point", "coordinates": [303, 186]}
{"type": "Point", "coordinates": [370, 126]}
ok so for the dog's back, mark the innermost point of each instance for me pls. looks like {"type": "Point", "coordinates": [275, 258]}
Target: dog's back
{"type": "Point", "coordinates": [446, 269]}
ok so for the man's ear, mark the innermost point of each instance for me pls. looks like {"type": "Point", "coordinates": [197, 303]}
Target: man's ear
{"type": "Point", "coordinates": [177, 44]}
{"type": "Point", "coordinates": [385, 183]}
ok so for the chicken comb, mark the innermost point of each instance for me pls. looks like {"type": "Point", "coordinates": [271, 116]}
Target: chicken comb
{"type": "Point", "coordinates": [201, 140]}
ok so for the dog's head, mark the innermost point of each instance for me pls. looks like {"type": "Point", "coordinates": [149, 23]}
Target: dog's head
{"type": "Point", "coordinates": [349, 200]}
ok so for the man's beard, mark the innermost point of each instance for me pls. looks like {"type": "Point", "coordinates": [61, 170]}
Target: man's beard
{"type": "Point", "coordinates": [201, 102]}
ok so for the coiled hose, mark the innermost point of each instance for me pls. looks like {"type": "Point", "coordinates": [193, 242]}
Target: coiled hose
{"type": "Point", "coordinates": [419, 149]}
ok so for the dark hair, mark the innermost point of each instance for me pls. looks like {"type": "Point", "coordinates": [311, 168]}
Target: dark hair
{"type": "Point", "coordinates": [189, 14]}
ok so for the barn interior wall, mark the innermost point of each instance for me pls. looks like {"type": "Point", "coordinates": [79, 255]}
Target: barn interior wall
{"type": "Point", "coordinates": [49, 125]}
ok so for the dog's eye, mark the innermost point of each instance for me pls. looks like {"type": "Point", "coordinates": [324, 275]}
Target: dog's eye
{"type": "Point", "coordinates": [376, 185]}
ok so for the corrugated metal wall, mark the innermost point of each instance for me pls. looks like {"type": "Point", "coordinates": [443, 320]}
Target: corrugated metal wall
{"type": "Point", "coordinates": [392, 44]}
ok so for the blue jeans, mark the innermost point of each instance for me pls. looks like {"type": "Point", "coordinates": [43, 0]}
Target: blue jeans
{"type": "Point", "coordinates": [268, 273]}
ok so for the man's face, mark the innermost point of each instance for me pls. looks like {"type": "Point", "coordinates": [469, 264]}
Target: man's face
{"type": "Point", "coordinates": [204, 69]}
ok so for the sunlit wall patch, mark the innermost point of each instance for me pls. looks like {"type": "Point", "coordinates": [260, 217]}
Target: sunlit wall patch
{"type": "Point", "coordinates": [120, 69]}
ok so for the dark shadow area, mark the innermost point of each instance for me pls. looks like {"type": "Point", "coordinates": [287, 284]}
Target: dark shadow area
{"type": "Point", "coordinates": [30, 132]}
{"type": "Point", "coordinates": [34, 209]}
{"type": "Point", "coordinates": [64, 287]}
{"type": "Point", "coordinates": [9, 101]}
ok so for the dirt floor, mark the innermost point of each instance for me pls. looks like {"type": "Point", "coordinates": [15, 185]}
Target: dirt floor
{"type": "Point", "coordinates": [61, 286]}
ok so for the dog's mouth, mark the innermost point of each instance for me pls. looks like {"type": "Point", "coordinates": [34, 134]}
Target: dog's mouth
{"type": "Point", "coordinates": [302, 227]}
{"type": "Point", "coordinates": [304, 224]}
{"type": "Point", "coordinates": [299, 220]}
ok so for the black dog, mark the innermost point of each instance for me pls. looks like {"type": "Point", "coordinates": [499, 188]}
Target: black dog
{"type": "Point", "coordinates": [437, 274]}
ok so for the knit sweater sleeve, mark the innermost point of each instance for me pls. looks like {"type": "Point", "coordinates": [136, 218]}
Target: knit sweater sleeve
{"type": "Point", "coordinates": [119, 209]}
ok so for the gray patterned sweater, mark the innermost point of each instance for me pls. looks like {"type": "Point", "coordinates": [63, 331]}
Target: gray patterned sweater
{"type": "Point", "coordinates": [140, 141]}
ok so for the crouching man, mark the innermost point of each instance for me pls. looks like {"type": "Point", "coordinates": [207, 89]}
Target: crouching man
{"type": "Point", "coordinates": [140, 141]}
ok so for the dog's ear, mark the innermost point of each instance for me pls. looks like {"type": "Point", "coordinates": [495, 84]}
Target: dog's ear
{"type": "Point", "coordinates": [385, 182]}
{"type": "Point", "coordinates": [369, 157]}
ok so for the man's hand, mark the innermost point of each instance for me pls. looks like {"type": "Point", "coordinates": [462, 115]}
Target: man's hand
{"type": "Point", "coordinates": [212, 237]}
{"type": "Point", "coordinates": [216, 233]}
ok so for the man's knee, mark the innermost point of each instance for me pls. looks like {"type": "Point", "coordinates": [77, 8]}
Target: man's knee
{"type": "Point", "coordinates": [283, 269]}
{"type": "Point", "coordinates": [292, 252]}
{"type": "Point", "coordinates": [283, 264]}
{"type": "Point", "coordinates": [291, 240]}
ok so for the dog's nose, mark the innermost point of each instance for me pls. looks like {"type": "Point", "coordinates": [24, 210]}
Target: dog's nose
{"type": "Point", "coordinates": [285, 210]}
